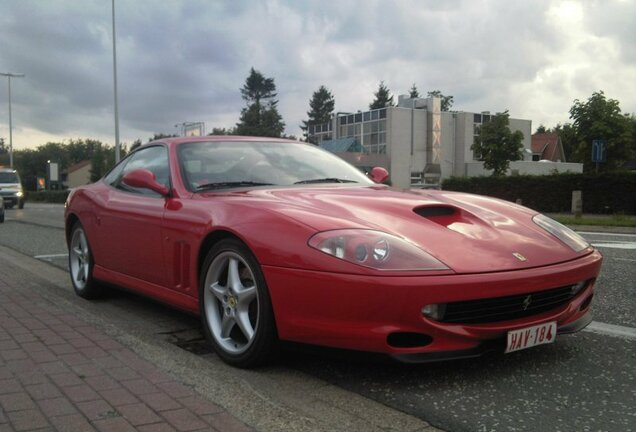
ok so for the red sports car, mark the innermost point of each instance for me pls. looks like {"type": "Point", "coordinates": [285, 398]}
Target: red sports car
{"type": "Point", "coordinates": [274, 240]}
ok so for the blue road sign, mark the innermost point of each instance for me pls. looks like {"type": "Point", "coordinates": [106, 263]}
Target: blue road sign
{"type": "Point", "coordinates": [599, 150]}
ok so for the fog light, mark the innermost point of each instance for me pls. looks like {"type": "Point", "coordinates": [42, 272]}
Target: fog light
{"type": "Point", "coordinates": [434, 311]}
{"type": "Point", "coordinates": [576, 288]}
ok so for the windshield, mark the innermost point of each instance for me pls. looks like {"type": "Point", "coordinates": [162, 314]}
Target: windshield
{"type": "Point", "coordinates": [9, 177]}
{"type": "Point", "coordinates": [216, 165]}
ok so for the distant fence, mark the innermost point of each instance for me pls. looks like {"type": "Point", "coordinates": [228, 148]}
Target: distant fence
{"type": "Point", "coordinates": [602, 193]}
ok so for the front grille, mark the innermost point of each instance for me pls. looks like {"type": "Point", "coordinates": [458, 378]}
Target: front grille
{"type": "Point", "coordinates": [506, 308]}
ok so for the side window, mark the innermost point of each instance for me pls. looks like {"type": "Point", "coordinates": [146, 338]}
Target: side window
{"type": "Point", "coordinates": [115, 174]}
{"type": "Point", "coordinates": [155, 160]}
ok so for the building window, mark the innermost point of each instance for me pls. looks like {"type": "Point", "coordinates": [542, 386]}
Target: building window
{"type": "Point", "coordinates": [477, 118]}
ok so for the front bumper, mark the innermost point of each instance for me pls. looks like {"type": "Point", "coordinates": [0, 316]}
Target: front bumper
{"type": "Point", "coordinates": [360, 312]}
{"type": "Point", "coordinates": [11, 199]}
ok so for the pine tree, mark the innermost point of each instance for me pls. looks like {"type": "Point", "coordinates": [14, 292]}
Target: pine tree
{"type": "Point", "coordinates": [321, 108]}
{"type": "Point", "coordinates": [383, 98]}
{"type": "Point", "coordinates": [414, 93]}
{"type": "Point", "coordinates": [260, 117]}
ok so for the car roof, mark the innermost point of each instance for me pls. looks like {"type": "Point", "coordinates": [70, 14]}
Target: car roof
{"type": "Point", "coordinates": [225, 138]}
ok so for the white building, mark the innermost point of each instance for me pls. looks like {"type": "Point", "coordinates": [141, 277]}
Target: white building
{"type": "Point", "coordinates": [419, 144]}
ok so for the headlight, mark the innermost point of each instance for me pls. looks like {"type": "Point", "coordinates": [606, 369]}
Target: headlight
{"type": "Point", "coordinates": [563, 233]}
{"type": "Point", "coordinates": [374, 249]}
{"type": "Point", "coordinates": [19, 194]}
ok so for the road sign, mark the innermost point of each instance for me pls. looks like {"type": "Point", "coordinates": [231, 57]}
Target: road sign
{"type": "Point", "coordinates": [599, 150]}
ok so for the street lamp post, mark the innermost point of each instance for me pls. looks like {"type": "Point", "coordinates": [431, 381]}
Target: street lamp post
{"type": "Point", "coordinates": [117, 144]}
{"type": "Point", "coordinates": [9, 76]}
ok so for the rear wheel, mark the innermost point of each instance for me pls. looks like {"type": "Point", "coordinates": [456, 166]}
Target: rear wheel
{"type": "Point", "coordinates": [236, 309]}
{"type": "Point", "coordinates": [80, 264]}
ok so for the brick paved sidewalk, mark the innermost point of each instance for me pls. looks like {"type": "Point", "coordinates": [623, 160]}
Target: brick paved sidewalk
{"type": "Point", "coordinates": [57, 373]}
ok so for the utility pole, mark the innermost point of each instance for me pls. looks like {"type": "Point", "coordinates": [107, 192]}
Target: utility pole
{"type": "Point", "coordinates": [9, 76]}
{"type": "Point", "coordinates": [117, 144]}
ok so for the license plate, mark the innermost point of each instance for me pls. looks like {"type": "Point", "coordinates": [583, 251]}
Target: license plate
{"type": "Point", "coordinates": [531, 336]}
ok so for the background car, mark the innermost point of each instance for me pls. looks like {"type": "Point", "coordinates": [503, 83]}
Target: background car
{"type": "Point", "coordinates": [11, 188]}
{"type": "Point", "coordinates": [271, 240]}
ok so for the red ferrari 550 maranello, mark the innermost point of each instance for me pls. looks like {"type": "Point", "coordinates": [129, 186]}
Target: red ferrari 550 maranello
{"type": "Point", "coordinates": [274, 240]}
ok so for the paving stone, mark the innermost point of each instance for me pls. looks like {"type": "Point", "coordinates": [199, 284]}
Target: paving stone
{"type": "Point", "coordinates": [157, 427]}
{"type": "Point", "coordinates": [176, 389]}
{"type": "Point", "coordinates": [97, 409]}
{"type": "Point", "coordinates": [139, 414]}
{"type": "Point", "coordinates": [57, 407]}
{"type": "Point", "coordinates": [118, 397]}
{"type": "Point", "coordinates": [140, 386]}
{"type": "Point", "coordinates": [101, 382]}
{"type": "Point", "coordinates": [118, 424]}
{"type": "Point", "coordinates": [183, 420]}
{"type": "Point", "coordinates": [72, 423]}
{"type": "Point", "coordinates": [43, 391]}
{"type": "Point", "coordinates": [80, 393]}
{"type": "Point", "coordinates": [200, 406]}
{"type": "Point", "coordinates": [160, 401]}
{"type": "Point", "coordinates": [27, 420]}
{"type": "Point", "coordinates": [66, 379]}
{"type": "Point", "coordinates": [10, 385]}
{"type": "Point", "coordinates": [227, 423]}
{"type": "Point", "coordinates": [16, 402]}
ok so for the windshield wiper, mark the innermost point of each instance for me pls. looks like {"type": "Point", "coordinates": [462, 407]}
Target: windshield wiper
{"type": "Point", "coordinates": [326, 180]}
{"type": "Point", "coordinates": [223, 185]}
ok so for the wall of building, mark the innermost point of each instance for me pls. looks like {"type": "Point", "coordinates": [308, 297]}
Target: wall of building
{"type": "Point", "coordinates": [79, 177]}
{"type": "Point", "coordinates": [406, 127]}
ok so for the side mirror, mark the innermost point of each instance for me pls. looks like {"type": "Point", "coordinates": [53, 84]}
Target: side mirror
{"type": "Point", "coordinates": [142, 178]}
{"type": "Point", "coordinates": [379, 175]}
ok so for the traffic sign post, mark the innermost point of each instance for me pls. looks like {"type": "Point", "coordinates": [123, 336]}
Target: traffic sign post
{"type": "Point", "coordinates": [599, 151]}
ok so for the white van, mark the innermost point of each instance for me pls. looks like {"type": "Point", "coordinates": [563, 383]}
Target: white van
{"type": "Point", "coordinates": [11, 188]}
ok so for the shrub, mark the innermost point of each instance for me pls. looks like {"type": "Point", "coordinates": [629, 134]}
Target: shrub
{"type": "Point", "coordinates": [56, 196]}
{"type": "Point", "coordinates": [602, 193]}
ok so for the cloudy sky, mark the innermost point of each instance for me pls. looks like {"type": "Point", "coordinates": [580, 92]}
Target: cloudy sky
{"type": "Point", "coordinates": [185, 60]}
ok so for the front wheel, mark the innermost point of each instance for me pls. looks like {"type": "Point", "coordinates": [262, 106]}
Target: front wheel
{"type": "Point", "coordinates": [21, 204]}
{"type": "Point", "coordinates": [80, 264]}
{"type": "Point", "coordinates": [235, 306]}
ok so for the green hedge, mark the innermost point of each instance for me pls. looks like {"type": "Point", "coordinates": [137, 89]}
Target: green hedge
{"type": "Point", "coordinates": [602, 193]}
{"type": "Point", "coordinates": [58, 196]}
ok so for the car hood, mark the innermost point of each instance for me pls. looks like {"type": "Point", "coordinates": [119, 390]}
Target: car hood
{"type": "Point", "coordinates": [469, 233]}
{"type": "Point", "coordinates": [10, 186]}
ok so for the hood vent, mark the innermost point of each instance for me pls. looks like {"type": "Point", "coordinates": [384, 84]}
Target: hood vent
{"type": "Point", "coordinates": [435, 211]}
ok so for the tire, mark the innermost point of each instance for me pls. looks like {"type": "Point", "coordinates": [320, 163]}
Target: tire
{"type": "Point", "coordinates": [80, 264]}
{"type": "Point", "coordinates": [2, 218]}
{"type": "Point", "coordinates": [236, 309]}
{"type": "Point", "coordinates": [21, 204]}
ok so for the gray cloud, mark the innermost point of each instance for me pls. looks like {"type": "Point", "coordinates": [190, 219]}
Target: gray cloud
{"type": "Point", "coordinates": [186, 60]}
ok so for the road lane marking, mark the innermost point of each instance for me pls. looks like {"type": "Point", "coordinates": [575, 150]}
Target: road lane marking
{"type": "Point", "coordinates": [606, 234]}
{"type": "Point", "coordinates": [625, 259]}
{"type": "Point", "coordinates": [616, 245]}
{"type": "Point", "coordinates": [51, 256]}
{"type": "Point", "coordinates": [611, 330]}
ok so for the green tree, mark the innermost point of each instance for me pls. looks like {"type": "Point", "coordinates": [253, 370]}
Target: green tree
{"type": "Point", "coordinates": [136, 143]}
{"type": "Point", "coordinates": [414, 93]}
{"type": "Point", "coordinates": [260, 117]}
{"type": "Point", "coordinates": [567, 133]}
{"type": "Point", "coordinates": [601, 118]}
{"type": "Point", "coordinates": [160, 135]}
{"type": "Point", "coordinates": [223, 131]}
{"type": "Point", "coordinates": [383, 98]}
{"type": "Point", "coordinates": [496, 145]}
{"type": "Point", "coordinates": [541, 129]}
{"type": "Point", "coordinates": [447, 101]}
{"type": "Point", "coordinates": [321, 108]}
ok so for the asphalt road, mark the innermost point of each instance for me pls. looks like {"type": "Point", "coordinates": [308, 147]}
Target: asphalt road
{"type": "Point", "coordinates": [584, 382]}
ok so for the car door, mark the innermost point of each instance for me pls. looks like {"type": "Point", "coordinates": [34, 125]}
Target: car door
{"type": "Point", "coordinates": [131, 220]}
